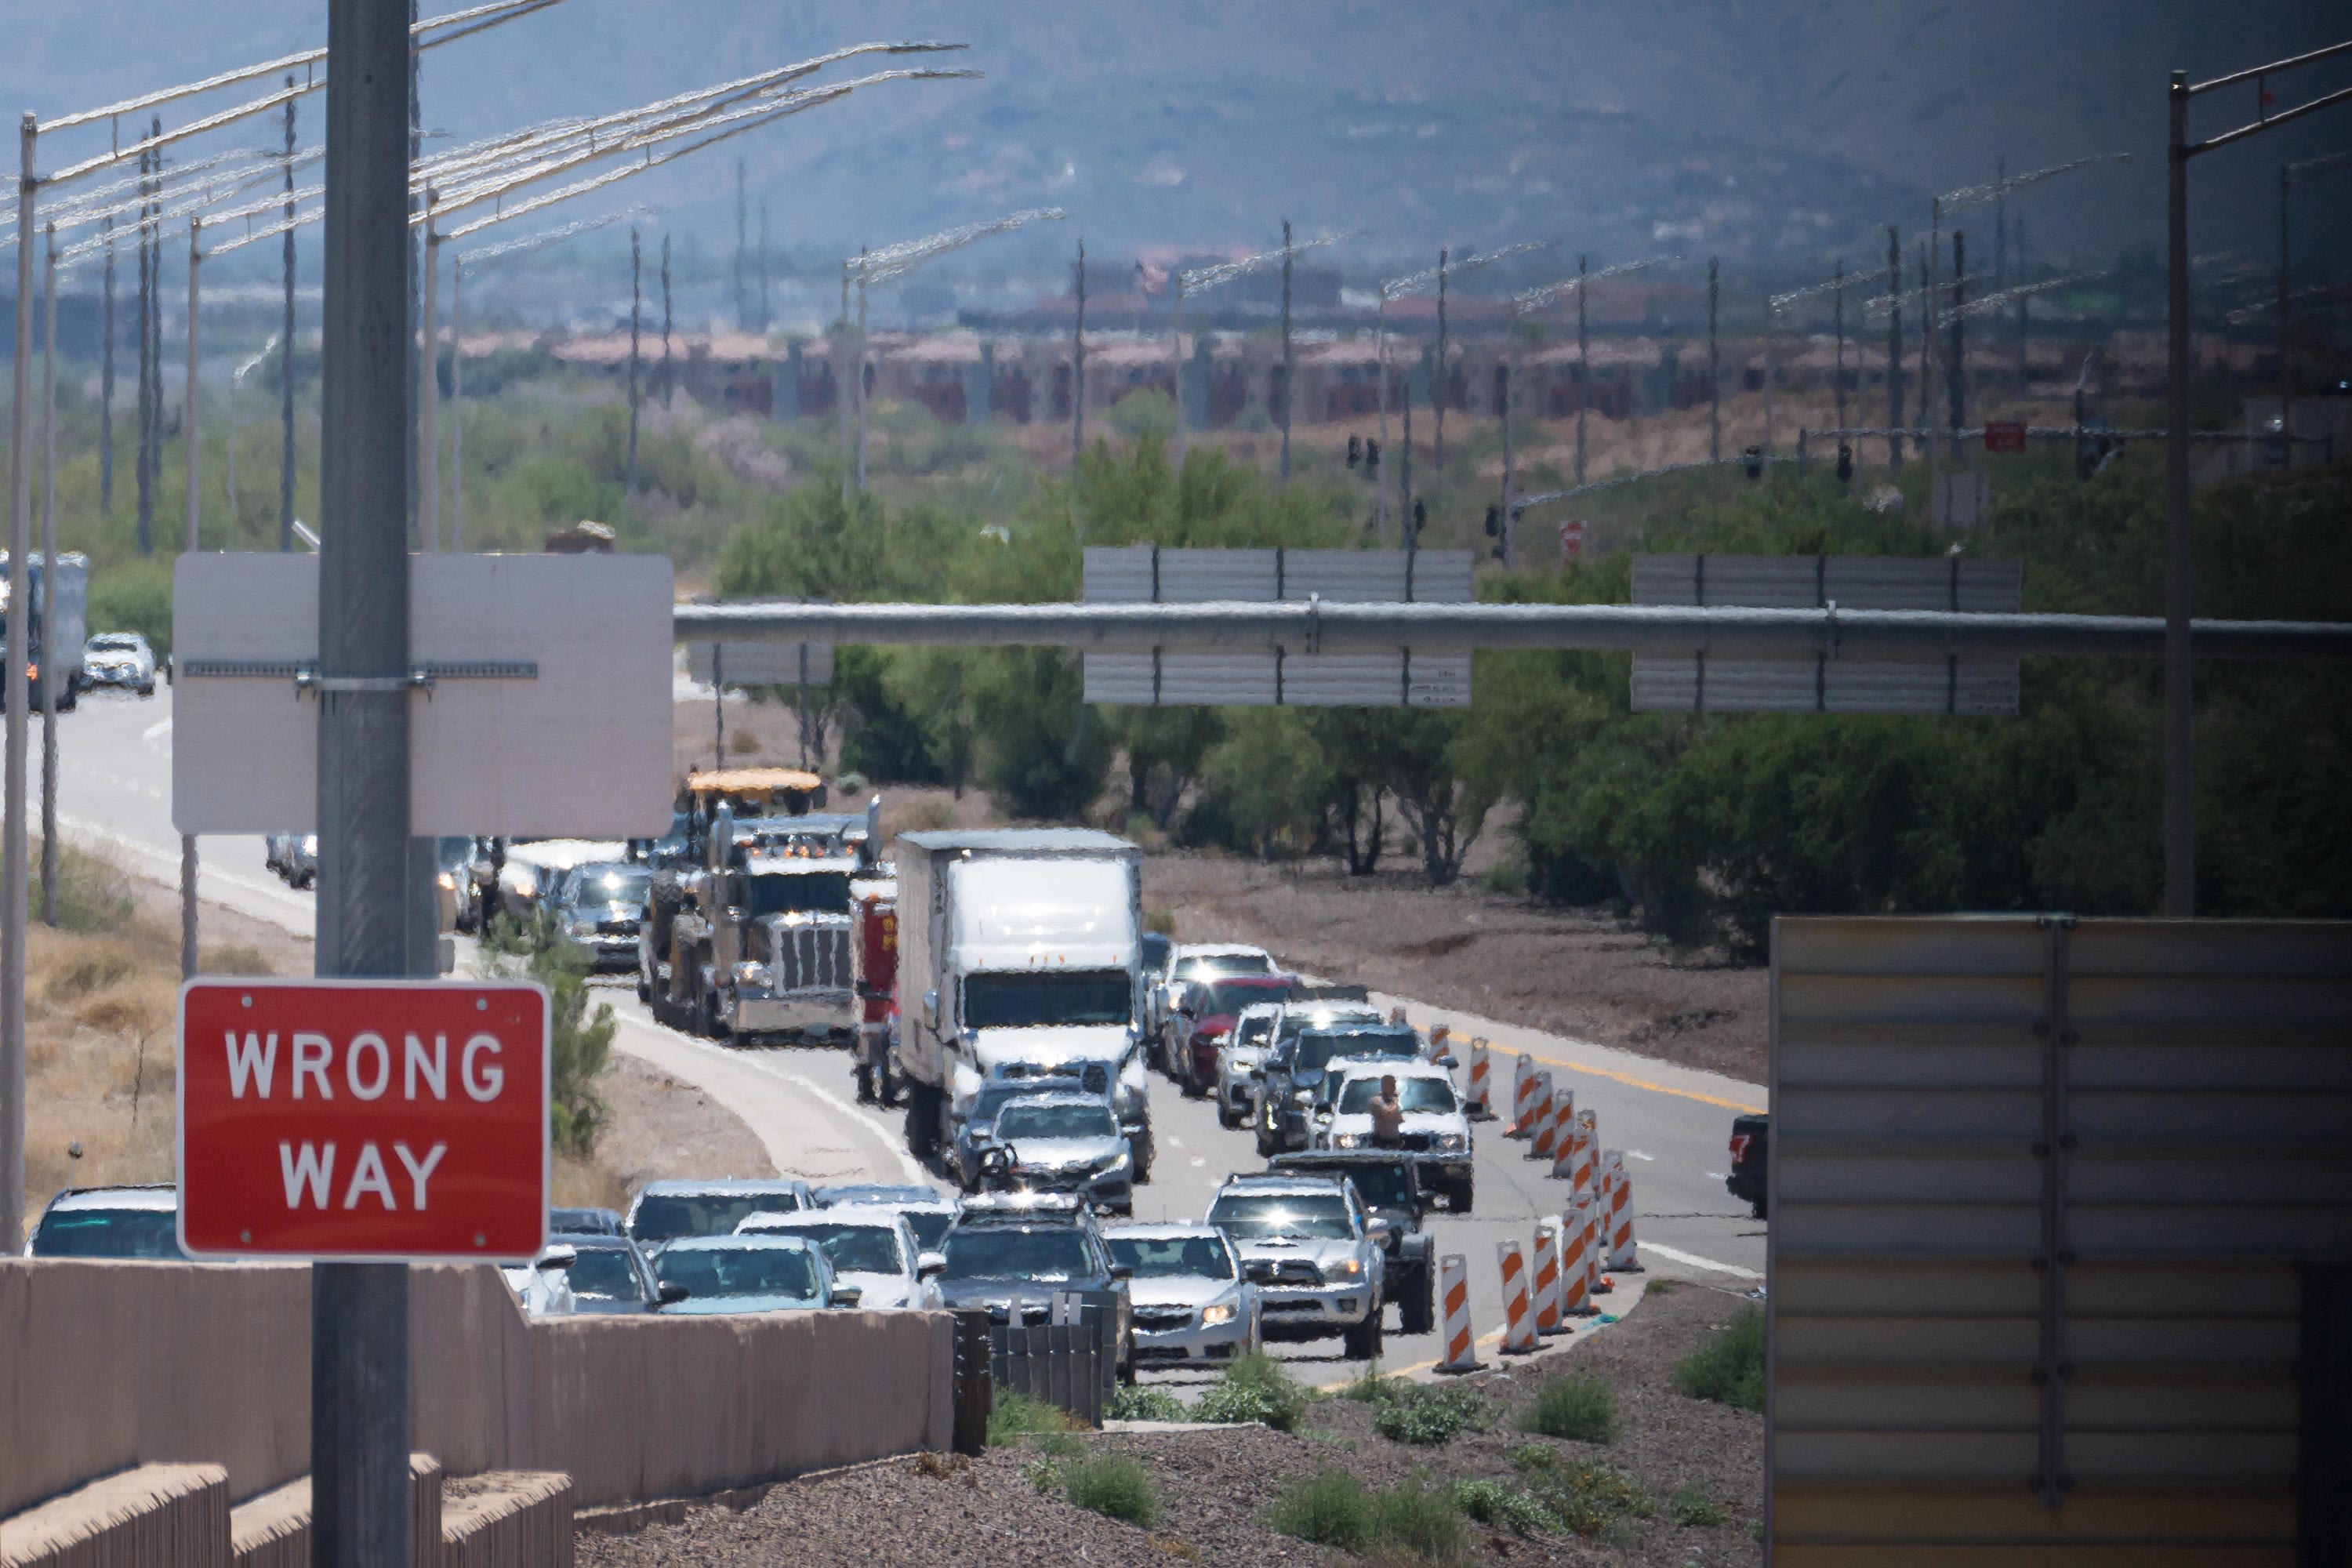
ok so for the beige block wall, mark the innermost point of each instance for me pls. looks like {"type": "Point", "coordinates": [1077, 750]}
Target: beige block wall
{"type": "Point", "coordinates": [110, 1365]}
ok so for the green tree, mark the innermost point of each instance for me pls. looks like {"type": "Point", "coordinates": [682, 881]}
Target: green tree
{"type": "Point", "coordinates": [581, 1041]}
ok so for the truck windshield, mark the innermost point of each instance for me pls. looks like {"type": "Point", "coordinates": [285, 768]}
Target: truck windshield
{"type": "Point", "coordinates": [1047, 1256]}
{"type": "Point", "coordinates": [663, 1217]}
{"type": "Point", "coordinates": [1042, 998]}
{"type": "Point", "coordinates": [1018, 1121]}
{"type": "Point", "coordinates": [108, 1233]}
{"type": "Point", "coordinates": [610, 884]}
{"type": "Point", "coordinates": [1312, 1215]}
{"type": "Point", "coordinates": [1427, 1094]}
{"type": "Point", "coordinates": [1172, 1257]}
{"type": "Point", "coordinates": [740, 1272]}
{"type": "Point", "coordinates": [802, 893]}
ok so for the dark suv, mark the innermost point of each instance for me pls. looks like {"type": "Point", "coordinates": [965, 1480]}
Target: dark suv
{"type": "Point", "coordinates": [1014, 1253]}
{"type": "Point", "coordinates": [1295, 1076]}
{"type": "Point", "coordinates": [1389, 1186]}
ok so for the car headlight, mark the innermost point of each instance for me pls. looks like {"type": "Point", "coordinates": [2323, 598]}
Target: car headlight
{"type": "Point", "coordinates": [1352, 1267]}
{"type": "Point", "coordinates": [1453, 1142]}
{"type": "Point", "coordinates": [1120, 1161]}
{"type": "Point", "coordinates": [1346, 1140]}
{"type": "Point", "coordinates": [749, 974]}
{"type": "Point", "coordinates": [448, 882]}
{"type": "Point", "coordinates": [1222, 1312]}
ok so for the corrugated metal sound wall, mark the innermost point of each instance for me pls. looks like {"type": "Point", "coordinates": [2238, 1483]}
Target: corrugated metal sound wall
{"type": "Point", "coordinates": [2047, 1199]}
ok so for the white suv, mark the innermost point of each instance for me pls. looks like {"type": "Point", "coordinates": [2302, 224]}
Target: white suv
{"type": "Point", "coordinates": [1238, 1061]}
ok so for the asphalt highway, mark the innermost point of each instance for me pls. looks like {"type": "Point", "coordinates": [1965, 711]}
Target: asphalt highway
{"type": "Point", "coordinates": [1671, 1123]}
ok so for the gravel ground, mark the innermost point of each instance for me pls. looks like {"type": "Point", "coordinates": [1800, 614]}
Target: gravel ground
{"type": "Point", "coordinates": [1214, 1486]}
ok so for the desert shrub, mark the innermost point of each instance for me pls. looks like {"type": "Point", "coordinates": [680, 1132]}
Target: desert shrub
{"type": "Point", "coordinates": [1429, 1417]}
{"type": "Point", "coordinates": [1115, 1487]}
{"type": "Point", "coordinates": [1328, 1508]}
{"type": "Point", "coordinates": [1503, 1507]}
{"type": "Point", "coordinates": [1134, 1403]}
{"type": "Point", "coordinates": [1582, 1408]}
{"type": "Point", "coordinates": [1013, 1416]}
{"type": "Point", "coordinates": [1585, 1498]}
{"type": "Point", "coordinates": [1255, 1387]}
{"type": "Point", "coordinates": [1728, 1367]}
{"type": "Point", "coordinates": [1689, 1506]}
{"type": "Point", "coordinates": [1411, 1521]}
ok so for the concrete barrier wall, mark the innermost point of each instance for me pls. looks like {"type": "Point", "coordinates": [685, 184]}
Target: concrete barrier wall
{"type": "Point", "coordinates": [109, 1365]}
{"type": "Point", "coordinates": [155, 1516]}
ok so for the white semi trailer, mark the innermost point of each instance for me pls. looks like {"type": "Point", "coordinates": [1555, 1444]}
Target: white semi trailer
{"type": "Point", "coordinates": [1018, 954]}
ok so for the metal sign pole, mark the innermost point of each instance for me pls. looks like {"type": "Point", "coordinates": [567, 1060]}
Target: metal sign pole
{"type": "Point", "coordinates": [359, 1312]}
{"type": "Point", "coordinates": [2180, 811]}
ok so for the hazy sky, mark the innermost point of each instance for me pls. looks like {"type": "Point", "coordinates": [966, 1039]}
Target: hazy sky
{"type": "Point", "coordinates": [1201, 122]}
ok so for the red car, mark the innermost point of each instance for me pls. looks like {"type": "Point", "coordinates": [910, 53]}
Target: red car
{"type": "Point", "coordinates": [1204, 1020]}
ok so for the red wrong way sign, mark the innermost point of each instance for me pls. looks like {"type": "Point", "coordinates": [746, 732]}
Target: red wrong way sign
{"type": "Point", "coordinates": [2004, 435]}
{"type": "Point", "coordinates": [363, 1121]}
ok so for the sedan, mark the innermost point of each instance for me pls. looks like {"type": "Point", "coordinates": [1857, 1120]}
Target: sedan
{"type": "Point", "coordinates": [609, 1276]}
{"type": "Point", "coordinates": [1191, 1303]}
{"type": "Point", "coordinates": [119, 659]}
{"type": "Point", "coordinates": [748, 1274]}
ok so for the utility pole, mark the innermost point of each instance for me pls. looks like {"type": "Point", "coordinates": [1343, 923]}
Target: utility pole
{"type": "Point", "coordinates": [844, 367]}
{"type": "Point", "coordinates": [1583, 371]}
{"type": "Point", "coordinates": [286, 356]}
{"type": "Point", "coordinates": [1837, 378]}
{"type": "Point", "coordinates": [1176, 363]}
{"type": "Point", "coordinates": [1078, 368]}
{"type": "Point", "coordinates": [146, 382]}
{"type": "Point", "coordinates": [1286, 350]}
{"type": "Point", "coordinates": [2017, 238]}
{"type": "Point", "coordinates": [1714, 365]}
{"type": "Point", "coordinates": [191, 508]}
{"type": "Point", "coordinates": [49, 582]}
{"type": "Point", "coordinates": [2001, 224]}
{"type": "Point", "coordinates": [760, 314]}
{"type": "Point", "coordinates": [669, 377]}
{"type": "Point", "coordinates": [861, 380]}
{"type": "Point", "coordinates": [106, 380]}
{"type": "Point", "coordinates": [458, 403]}
{"type": "Point", "coordinates": [1442, 382]}
{"type": "Point", "coordinates": [359, 1312]}
{"type": "Point", "coordinates": [1894, 351]}
{"type": "Point", "coordinates": [742, 317]}
{"type": "Point", "coordinates": [636, 305]}
{"type": "Point", "coordinates": [2180, 714]}
{"type": "Point", "coordinates": [154, 334]}
{"type": "Point", "coordinates": [1954, 385]}
{"type": "Point", "coordinates": [13, 894]}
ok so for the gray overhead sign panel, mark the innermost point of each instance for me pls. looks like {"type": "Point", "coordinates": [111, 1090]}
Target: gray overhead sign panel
{"type": "Point", "coordinates": [1286, 677]}
{"type": "Point", "coordinates": [762, 663]}
{"type": "Point", "coordinates": [2048, 1198]}
{"type": "Point", "coordinates": [541, 701]}
{"type": "Point", "coordinates": [1703, 683]}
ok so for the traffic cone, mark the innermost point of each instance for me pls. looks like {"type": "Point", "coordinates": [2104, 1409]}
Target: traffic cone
{"type": "Point", "coordinates": [1523, 1097]}
{"type": "Point", "coordinates": [1622, 1256]}
{"type": "Point", "coordinates": [1546, 1124]}
{"type": "Point", "coordinates": [1563, 1133]}
{"type": "Point", "coordinates": [1480, 1110]}
{"type": "Point", "coordinates": [1546, 1281]}
{"type": "Point", "coordinates": [1453, 1304]}
{"type": "Point", "coordinates": [1575, 1271]}
{"type": "Point", "coordinates": [1518, 1323]}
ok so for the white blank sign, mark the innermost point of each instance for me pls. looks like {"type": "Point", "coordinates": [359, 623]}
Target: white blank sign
{"type": "Point", "coordinates": [580, 750]}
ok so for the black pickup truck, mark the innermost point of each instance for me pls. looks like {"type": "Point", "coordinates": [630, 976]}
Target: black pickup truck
{"type": "Point", "coordinates": [1751, 1150]}
{"type": "Point", "coordinates": [1390, 1186]}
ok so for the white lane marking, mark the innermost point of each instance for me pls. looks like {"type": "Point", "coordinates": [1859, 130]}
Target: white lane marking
{"type": "Point", "coordinates": [1637, 1154]}
{"type": "Point", "coordinates": [1197, 1160]}
{"type": "Point", "coordinates": [1176, 1143]}
{"type": "Point", "coordinates": [159, 730]}
{"type": "Point", "coordinates": [1696, 1261]}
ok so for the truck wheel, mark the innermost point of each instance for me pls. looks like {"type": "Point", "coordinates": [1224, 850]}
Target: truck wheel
{"type": "Point", "coordinates": [1362, 1342]}
{"type": "Point", "coordinates": [1417, 1312]}
{"type": "Point", "coordinates": [1142, 1155]}
{"type": "Point", "coordinates": [1264, 1140]}
{"type": "Point", "coordinates": [922, 1120]}
{"type": "Point", "coordinates": [1458, 1200]}
{"type": "Point", "coordinates": [1225, 1117]}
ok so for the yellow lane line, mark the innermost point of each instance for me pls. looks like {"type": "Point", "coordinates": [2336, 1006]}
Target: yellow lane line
{"type": "Point", "coordinates": [1626, 1078]}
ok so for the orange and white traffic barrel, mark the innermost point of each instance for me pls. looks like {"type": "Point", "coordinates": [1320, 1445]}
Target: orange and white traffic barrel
{"type": "Point", "coordinates": [1546, 1286]}
{"type": "Point", "coordinates": [1583, 1178]}
{"type": "Point", "coordinates": [1621, 1253]}
{"type": "Point", "coordinates": [1519, 1319]}
{"type": "Point", "coordinates": [1481, 1106]}
{"type": "Point", "coordinates": [1546, 1125]}
{"type": "Point", "coordinates": [1454, 1324]}
{"type": "Point", "coordinates": [1575, 1266]}
{"type": "Point", "coordinates": [1563, 1131]}
{"type": "Point", "coordinates": [1592, 1219]}
{"type": "Point", "coordinates": [1523, 1097]}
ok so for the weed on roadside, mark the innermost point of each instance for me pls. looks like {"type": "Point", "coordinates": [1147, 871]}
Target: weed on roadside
{"type": "Point", "coordinates": [1012, 1416]}
{"type": "Point", "coordinates": [1587, 1499]}
{"type": "Point", "coordinates": [1255, 1387]}
{"type": "Point", "coordinates": [1413, 1413]}
{"type": "Point", "coordinates": [1689, 1506]}
{"type": "Point", "coordinates": [1582, 1408]}
{"type": "Point", "coordinates": [1132, 1402]}
{"type": "Point", "coordinates": [1115, 1487]}
{"type": "Point", "coordinates": [1728, 1367]}
{"type": "Point", "coordinates": [1411, 1522]}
